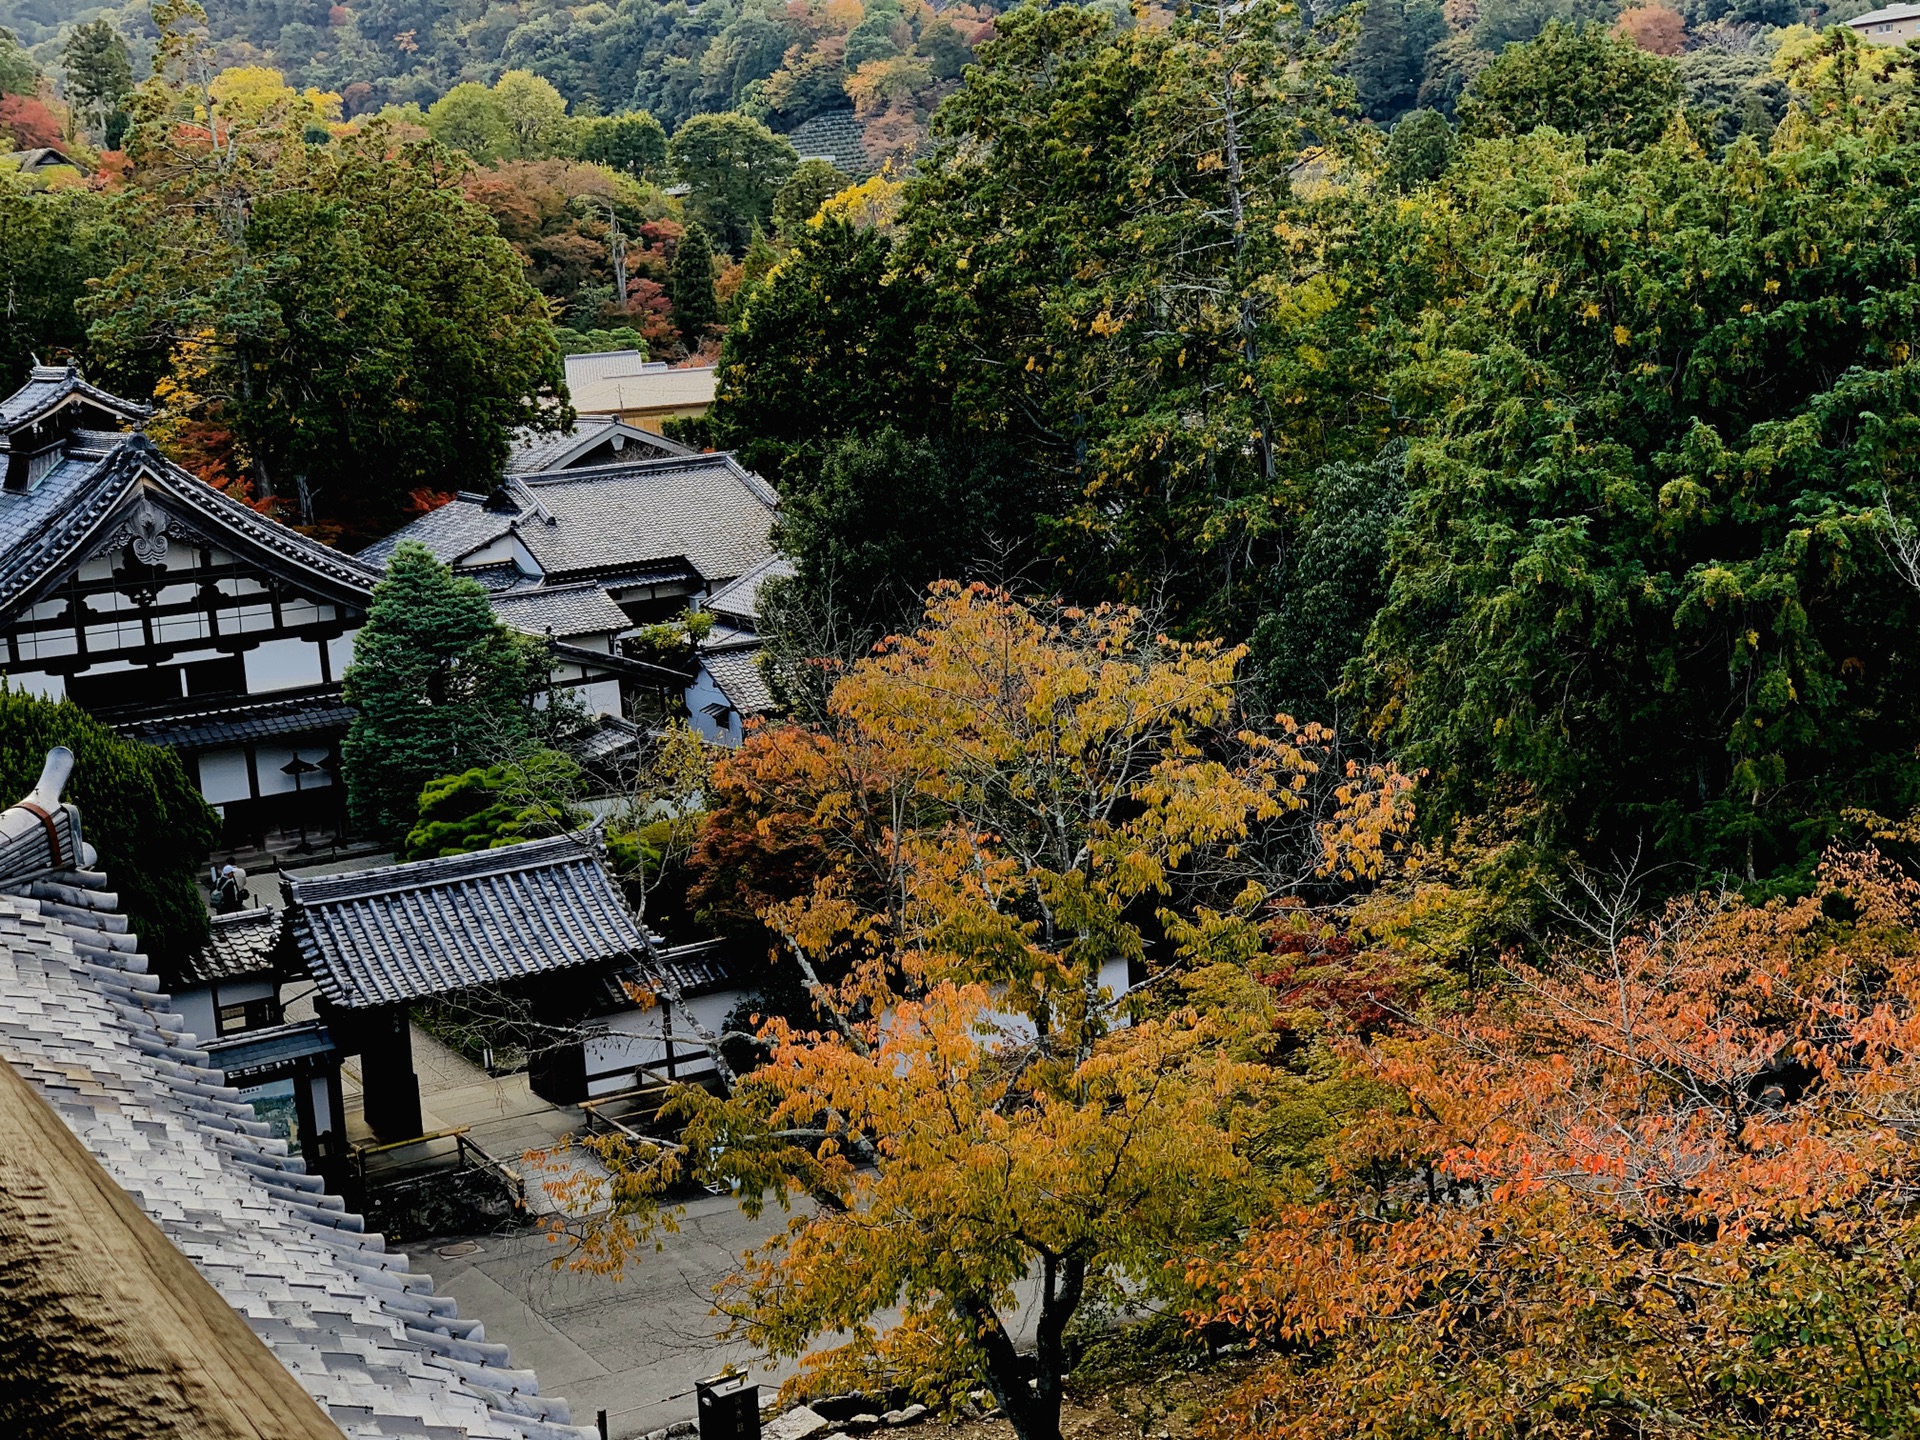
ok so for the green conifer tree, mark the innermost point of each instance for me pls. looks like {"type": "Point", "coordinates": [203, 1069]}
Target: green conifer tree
{"type": "Point", "coordinates": [137, 808]}
{"type": "Point", "coordinates": [439, 685]}
{"type": "Point", "coordinates": [690, 286]}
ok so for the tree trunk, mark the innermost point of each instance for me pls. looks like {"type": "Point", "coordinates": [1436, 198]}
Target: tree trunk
{"type": "Point", "coordinates": [1030, 1391]}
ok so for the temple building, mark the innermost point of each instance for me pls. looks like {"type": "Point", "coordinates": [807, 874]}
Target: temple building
{"type": "Point", "coordinates": [171, 610]}
{"type": "Point", "coordinates": [187, 619]}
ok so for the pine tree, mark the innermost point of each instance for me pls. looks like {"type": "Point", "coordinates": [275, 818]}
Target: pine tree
{"type": "Point", "coordinates": [439, 685]}
{"type": "Point", "coordinates": [99, 73]}
{"type": "Point", "coordinates": [690, 286]}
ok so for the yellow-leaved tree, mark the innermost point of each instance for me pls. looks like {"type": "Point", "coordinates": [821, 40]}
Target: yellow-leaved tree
{"type": "Point", "coordinates": [1034, 844]}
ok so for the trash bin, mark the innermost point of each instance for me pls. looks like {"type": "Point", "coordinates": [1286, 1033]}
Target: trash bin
{"type": "Point", "coordinates": [729, 1408]}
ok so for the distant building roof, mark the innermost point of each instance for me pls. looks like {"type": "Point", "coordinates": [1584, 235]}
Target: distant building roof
{"type": "Point", "coordinates": [593, 440]}
{"type": "Point", "coordinates": [601, 520]}
{"type": "Point", "coordinates": [739, 603]}
{"type": "Point", "coordinates": [433, 927]}
{"type": "Point", "coordinates": [238, 944]}
{"type": "Point", "coordinates": [187, 1275]}
{"type": "Point", "coordinates": [1885, 16]}
{"type": "Point", "coordinates": [44, 157]}
{"type": "Point", "coordinates": [562, 611]}
{"type": "Point", "coordinates": [621, 382]}
{"type": "Point", "coordinates": [735, 668]}
{"type": "Point", "coordinates": [835, 138]}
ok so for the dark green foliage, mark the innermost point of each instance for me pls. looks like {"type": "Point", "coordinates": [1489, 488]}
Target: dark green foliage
{"type": "Point", "coordinates": [137, 808]}
{"type": "Point", "coordinates": [598, 342]}
{"type": "Point", "coordinates": [375, 336]}
{"type": "Point", "coordinates": [1636, 596]}
{"type": "Point", "coordinates": [733, 168]}
{"type": "Point", "coordinates": [810, 185]}
{"type": "Point", "coordinates": [634, 144]}
{"type": "Point", "coordinates": [888, 515]}
{"type": "Point", "coordinates": [1418, 150]}
{"type": "Point", "coordinates": [99, 72]}
{"type": "Point", "coordinates": [438, 685]}
{"type": "Point", "coordinates": [1578, 79]}
{"type": "Point", "coordinates": [1731, 93]}
{"type": "Point", "coordinates": [487, 807]}
{"type": "Point", "coordinates": [18, 74]}
{"type": "Point", "coordinates": [827, 349]}
{"type": "Point", "coordinates": [1390, 58]}
{"type": "Point", "coordinates": [1334, 581]}
{"type": "Point", "coordinates": [51, 244]}
{"type": "Point", "coordinates": [690, 286]}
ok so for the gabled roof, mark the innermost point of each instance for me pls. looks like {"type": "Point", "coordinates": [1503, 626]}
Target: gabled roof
{"type": "Point", "coordinates": [562, 611]}
{"type": "Point", "coordinates": [739, 603]}
{"type": "Point", "coordinates": [82, 500]}
{"type": "Point", "coordinates": [238, 944]}
{"type": "Point", "coordinates": [602, 521]}
{"type": "Point", "coordinates": [736, 670]}
{"type": "Point", "coordinates": [49, 387]}
{"type": "Point", "coordinates": [833, 136]}
{"type": "Point", "coordinates": [185, 1264]}
{"type": "Point", "coordinates": [433, 927]}
{"type": "Point", "coordinates": [593, 439]}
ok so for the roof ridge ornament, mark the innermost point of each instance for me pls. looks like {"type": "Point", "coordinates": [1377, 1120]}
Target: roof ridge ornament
{"type": "Point", "coordinates": [40, 833]}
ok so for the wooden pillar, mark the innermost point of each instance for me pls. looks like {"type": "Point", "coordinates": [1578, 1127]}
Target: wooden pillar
{"type": "Point", "coordinates": [389, 1090]}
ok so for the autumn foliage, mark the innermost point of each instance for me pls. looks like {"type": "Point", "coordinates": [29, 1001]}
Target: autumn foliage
{"type": "Point", "coordinates": [1657, 1183]}
{"type": "Point", "coordinates": [1020, 875]}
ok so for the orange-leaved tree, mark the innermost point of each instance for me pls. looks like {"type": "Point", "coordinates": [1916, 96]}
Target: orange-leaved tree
{"type": "Point", "coordinates": [1659, 1185]}
{"type": "Point", "coordinates": [1026, 918]}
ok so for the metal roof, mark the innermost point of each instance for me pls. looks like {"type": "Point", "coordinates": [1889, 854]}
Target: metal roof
{"type": "Point", "coordinates": [90, 1030]}
{"type": "Point", "coordinates": [607, 390]}
{"type": "Point", "coordinates": [433, 927]}
{"type": "Point", "coordinates": [1885, 16]}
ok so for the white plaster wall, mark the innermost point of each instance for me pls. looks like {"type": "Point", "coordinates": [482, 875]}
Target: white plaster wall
{"type": "Point", "coordinates": [702, 693]}
{"type": "Point", "coordinates": [282, 665]}
{"type": "Point", "coordinates": [340, 653]}
{"type": "Point", "coordinates": [637, 1037]}
{"type": "Point", "coordinates": [223, 776]}
{"type": "Point", "coordinates": [268, 760]}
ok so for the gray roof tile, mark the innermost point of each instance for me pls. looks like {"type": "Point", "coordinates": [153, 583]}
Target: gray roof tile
{"type": "Point", "coordinates": [432, 927]}
{"type": "Point", "coordinates": [237, 944]}
{"type": "Point", "coordinates": [536, 450]}
{"type": "Point", "coordinates": [561, 610]}
{"type": "Point", "coordinates": [88, 1029]}
{"type": "Point", "coordinates": [736, 670]}
{"type": "Point", "coordinates": [214, 726]}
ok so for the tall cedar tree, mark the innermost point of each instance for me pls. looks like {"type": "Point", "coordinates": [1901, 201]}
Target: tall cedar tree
{"type": "Point", "coordinates": [99, 72]}
{"type": "Point", "coordinates": [137, 808]}
{"type": "Point", "coordinates": [438, 686]}
{"type": "Point", "coordinates": [733, 167]}
{"type": "Point", "coordinates": [696, 310]}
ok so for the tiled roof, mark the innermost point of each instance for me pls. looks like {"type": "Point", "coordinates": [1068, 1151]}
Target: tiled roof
{"type": "Point", "coordinates": [252, 1051]}
{"type": "Point", "coordinates": [90, 1031]}
{"type": "Point", "coordinates": [704, 508]}
{"type": "Point", "coordinates": [457, 528]}
{"type": "Point", "coordinates": [215, 726]}
{"type": "Point", "coordinates": [535, 450]}
{"type": "Point", "coordinates": [607, 520]}
{"type": "Point", "coordinates": [613, 737]}
{"type": "Point", "coordinates": [561, 610]}
{"type": "Point", "coordinates": [48, 385]}
{"type": "Point", "coordinates": [81, 499]}
{"type": "Point", "coordinates": [736, 670]}
{"type": "Point", "coordinates": [834, 136]}
{"type": "Point", "coordinates": [432, 927]}
{"type": "Point", "coordinates": [740, 601]}
{"type": "Point", "coordinates": [237, 944]}
{"type": "Point", "coordinates": [609, 391]}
